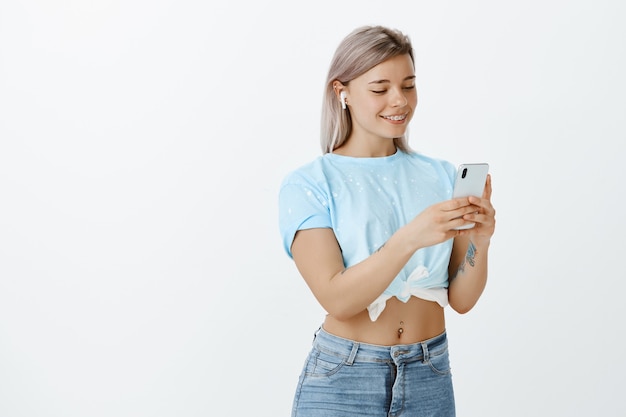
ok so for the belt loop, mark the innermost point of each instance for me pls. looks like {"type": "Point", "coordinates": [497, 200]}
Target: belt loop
{"type": "Point", "coordinates": [316, 333]}
{"type": "Point", "coordinates": [425, 352]}
{"type": "Point", "coordinates": [355, 348]}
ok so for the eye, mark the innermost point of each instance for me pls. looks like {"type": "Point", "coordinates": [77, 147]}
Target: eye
{"type": "Point", "coordinates": [379, 91]}
{"type": "Point", "coordinates": [410, 87]}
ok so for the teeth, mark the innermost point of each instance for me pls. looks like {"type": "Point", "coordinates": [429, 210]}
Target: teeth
{"type": "Point", "coordinates": [402, 117]}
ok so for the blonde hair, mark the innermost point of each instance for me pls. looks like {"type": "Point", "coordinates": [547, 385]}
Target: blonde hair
{"type": "Point", "coordinates": [359, 52]}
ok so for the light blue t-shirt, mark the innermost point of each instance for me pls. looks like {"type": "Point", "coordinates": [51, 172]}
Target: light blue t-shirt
{"type": "Point", "coordinates": [364, 201]}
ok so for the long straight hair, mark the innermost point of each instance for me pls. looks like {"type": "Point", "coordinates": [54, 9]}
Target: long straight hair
{"type": "Point", "coordinates": [357, 53]}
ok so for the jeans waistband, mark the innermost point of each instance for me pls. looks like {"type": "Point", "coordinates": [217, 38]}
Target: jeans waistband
{"type": "Point", "coordinates": [354, 351]}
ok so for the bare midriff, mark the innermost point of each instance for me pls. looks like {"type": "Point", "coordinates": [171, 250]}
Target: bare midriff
{"type": "Point", "coordinates": [399, 323]}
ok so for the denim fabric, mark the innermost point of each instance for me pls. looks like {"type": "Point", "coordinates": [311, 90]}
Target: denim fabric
{"type": "Point", "coordinates": [347, 378]}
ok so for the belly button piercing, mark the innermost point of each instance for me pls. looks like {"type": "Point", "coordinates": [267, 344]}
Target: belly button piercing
{"type": "Point", "coordinates": [400, 329]}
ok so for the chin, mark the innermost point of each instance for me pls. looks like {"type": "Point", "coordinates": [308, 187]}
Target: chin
{"type": "Point", "coordinates": [396, 133]}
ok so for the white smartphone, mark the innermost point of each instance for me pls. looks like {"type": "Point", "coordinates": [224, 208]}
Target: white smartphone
{"type": "Point", "coordinates": [470, 180]}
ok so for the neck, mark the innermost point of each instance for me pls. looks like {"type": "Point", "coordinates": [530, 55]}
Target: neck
{"type": "Point", "coordinates": [358, 149]}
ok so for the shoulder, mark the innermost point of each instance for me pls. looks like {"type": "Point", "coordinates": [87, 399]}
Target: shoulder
{"type": "Point", "coordinates": [442, 166]}
{"type": "Point", "coordinates": [310, 173]}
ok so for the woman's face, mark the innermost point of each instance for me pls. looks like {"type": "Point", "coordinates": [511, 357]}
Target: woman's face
{"type": "Point", "coordinates": [382, 100]}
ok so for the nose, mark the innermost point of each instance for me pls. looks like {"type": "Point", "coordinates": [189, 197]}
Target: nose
{"type": "Point", "coordinates": [398, 99]}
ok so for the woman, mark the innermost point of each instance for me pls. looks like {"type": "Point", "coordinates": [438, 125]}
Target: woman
{"type": "Point", "coordinates": [371, 225]}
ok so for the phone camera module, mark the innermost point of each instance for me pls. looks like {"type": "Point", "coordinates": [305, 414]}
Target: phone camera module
{"type": "Point", "coordinates": [464, 173]}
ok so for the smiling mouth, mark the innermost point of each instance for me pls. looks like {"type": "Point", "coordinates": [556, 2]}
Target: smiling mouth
{"type": "Point", "coordinates": [396, 118]}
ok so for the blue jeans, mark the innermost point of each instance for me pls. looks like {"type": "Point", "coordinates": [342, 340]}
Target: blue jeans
{"type": "Point", "coordinates": [345, 378]}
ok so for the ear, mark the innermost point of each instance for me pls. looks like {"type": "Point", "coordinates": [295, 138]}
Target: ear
{"type": "Point", "coordinates": [338, 87]}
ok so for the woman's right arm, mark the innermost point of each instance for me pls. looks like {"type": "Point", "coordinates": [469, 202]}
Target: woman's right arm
{"type": "Point", "coordinates": [345, 292]}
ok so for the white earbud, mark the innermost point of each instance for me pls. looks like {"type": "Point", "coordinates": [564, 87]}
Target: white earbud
{"type": "Point", "coordinates": [342, 97]}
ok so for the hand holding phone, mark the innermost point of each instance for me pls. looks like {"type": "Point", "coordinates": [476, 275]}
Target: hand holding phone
{"type": "Point", "coordinates": [470, 181]}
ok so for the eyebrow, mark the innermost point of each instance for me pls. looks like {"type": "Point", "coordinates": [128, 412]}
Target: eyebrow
{"type": "Point", "coordinates": [410, 77]}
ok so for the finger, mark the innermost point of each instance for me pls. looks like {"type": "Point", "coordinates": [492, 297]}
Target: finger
{"type": "Point", "coordinates": [487, 190]}
{"type": "Point", "coordinates": [480, 203]}
{"type": "Point", "coordinates": [458, 224]}
{"type": "Point", "coordinates": [484, 220]}
{"type": "Point", "coordinates": [455, 204]}
{"type": "Point", "coordinates": [487, 213]}
{"type": "Point", "coordinates": [459, 218]}
{"type": "Point", "coordinates": [459, 213]}
{"type": "Point", "coordinates": [483, 203]}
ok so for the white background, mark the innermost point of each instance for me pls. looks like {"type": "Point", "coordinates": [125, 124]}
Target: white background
{"type": "Point", "coordinates": [142, 146]}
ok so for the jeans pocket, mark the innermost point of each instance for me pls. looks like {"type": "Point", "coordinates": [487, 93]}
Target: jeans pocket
{"type": "Point", "coordinates": [439, 362]}
{"type": "Point", "coordinates": [323, 364]}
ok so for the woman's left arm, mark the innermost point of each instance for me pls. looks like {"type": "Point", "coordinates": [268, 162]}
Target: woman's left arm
{"type": "Point", "coordinates": [469, 260]}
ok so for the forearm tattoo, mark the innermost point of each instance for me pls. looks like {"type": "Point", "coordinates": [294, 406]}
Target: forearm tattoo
{"type": "Point", "coordinates": [470, 258]}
